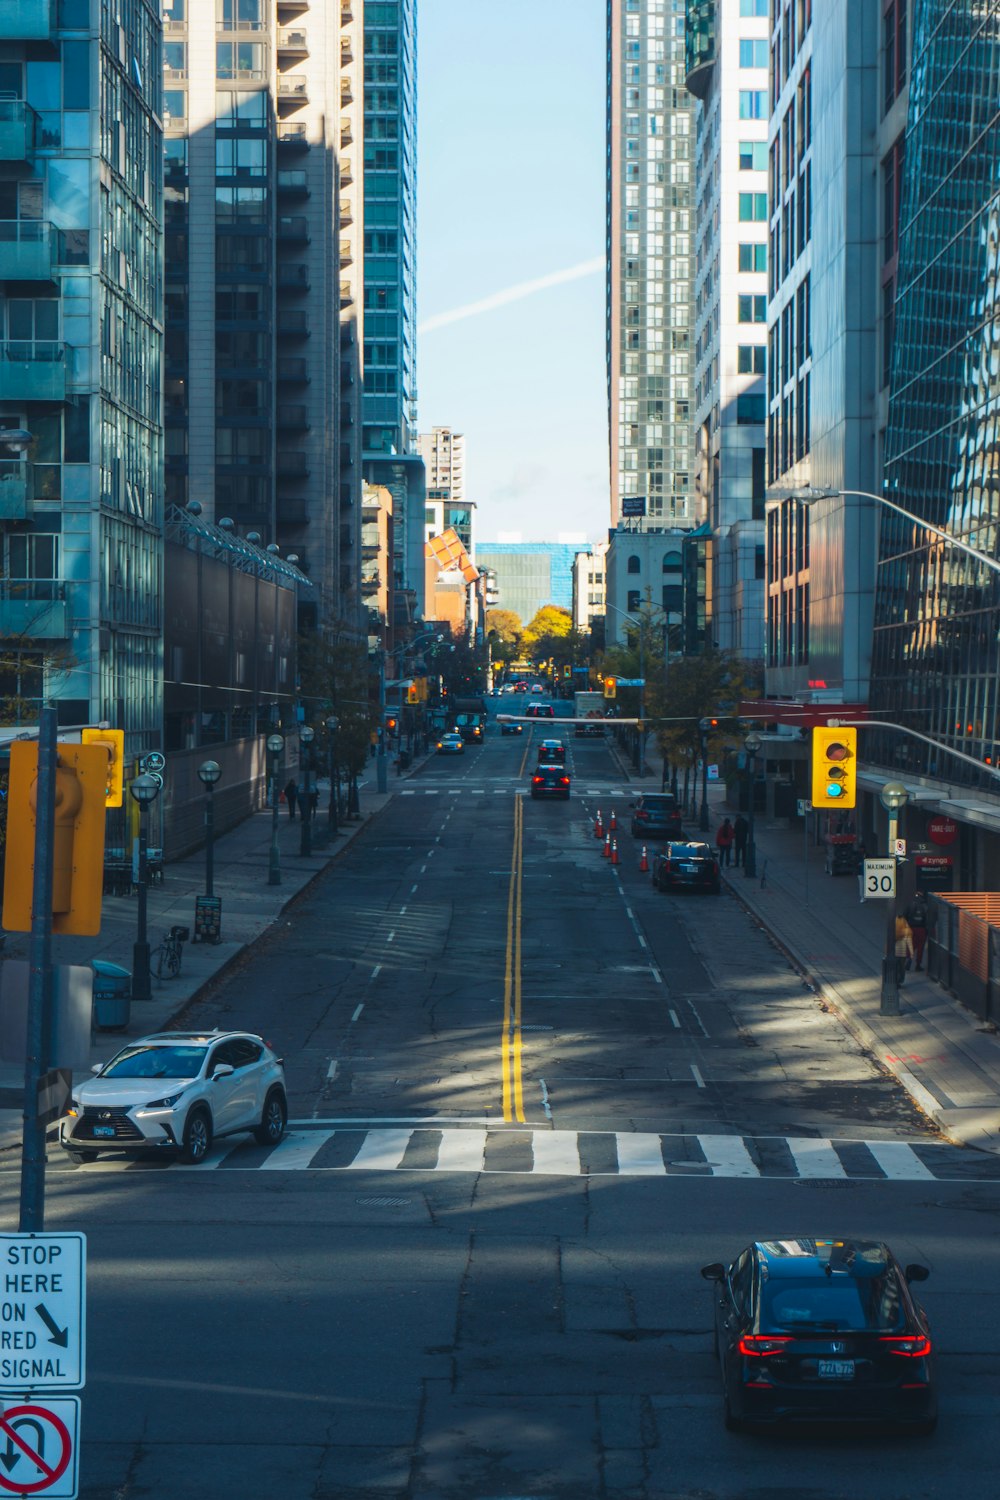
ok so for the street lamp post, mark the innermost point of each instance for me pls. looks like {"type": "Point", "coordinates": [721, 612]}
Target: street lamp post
{"type": "Point", "coordinates": [144, 790]}
{"type": "Point", "coordinates": [208, 774]}
{"type": "Point", "coordinates": [893, 796]}
{"type": "Point", "coordinates": [752, 745]}
{"type": "Point", "coordinates": [275, 745]}
{"type": "Point", "coordinates": [306, 736]}
{"type": "Point", "coordinates": [641, 727]}
{"type": "Point", "coordinates": [333, 816]}
{"type": "Point", "coordinates": [808, 495]}
{"type": "Point", "coordinates": [703, 727]}
{"type": "Point", "coordinates": [381, 769]}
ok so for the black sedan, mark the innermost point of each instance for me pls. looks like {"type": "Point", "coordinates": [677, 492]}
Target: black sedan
{"type": "Point", "coordinates": [511, 727]}
{"type": "Point", "coordinates": [822, 1330]}
{"type": "Point", "coordinates": [686, 866]}
{"type": "Point", "coordinates": [656, 816]}
{"type": "Point", "coordinates": [551, 752]}
{"type": "Point", "coordinates": [550, 781]}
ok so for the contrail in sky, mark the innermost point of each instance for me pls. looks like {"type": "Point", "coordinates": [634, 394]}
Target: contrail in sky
{"type": "Point", "coordinates": [514, 294]}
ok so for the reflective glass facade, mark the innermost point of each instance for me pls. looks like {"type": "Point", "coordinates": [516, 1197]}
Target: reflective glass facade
{"type": "Point", "coordinates": [936, 662]}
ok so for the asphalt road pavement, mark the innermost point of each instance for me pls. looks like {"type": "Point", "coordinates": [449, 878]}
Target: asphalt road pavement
{"type": "Point", "coordinates": [529, 1098]}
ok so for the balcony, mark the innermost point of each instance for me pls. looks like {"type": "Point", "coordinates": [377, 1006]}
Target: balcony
{"type": "Point", "coordinates": [371, 582]}
{"type": "Point", "coordinates": [25, 20]}
{"type": "Point", "coordinates": [293, 184]}
{"type": "Point", "coordinates": [346, 12]}
{"type": "Point", "coordinates": [346, 91]}
{"type": "Point", "coordinates": [293, 229]}
{"type": "Point", "coordinates": [346, 213]}
{"type": "Point", "coordinates": [292, 418]}
{"type": "Point", "coordinates": [292, 41]}
{"type": "Point", "coordinates": [293, 277]}
{"type": "Point", "coordinates": [346, 171]}
{"type": "Point", "coordinates": [346, 294]}
{"type": "Point", "coordinates": [33, 607]}
{"type": "Point", "coordinates": [346, 51]}
{"type": "Point", "coordinates": [370, 550]}
{"type": "Point", "coordinates": [293, 513]}
{"type": "Point", "coordinates": [293, 7]}
{"type": "Point", "coordinates": [25, 250]}
{"type": "Point", "coordinates": [293, 90]}
{"type": "Point", "coordinates": [292, 137]}
{"type": "Point", "coordinates": [346, 253]}
{"type": "Point", "coordinates": [291, 465]}
{"type": "Point", "coordinates": [291, 325]}
{"type": "Point", "coordinates": [15, 494]}
{"type": "Point", "coordinates": [346, 130]}
{"type": "Point", "coordinates": [19, 130]}
{"type": "Point", "coordinates": [32, 370]}
{"type": "Point", "coordinates": [293, 372]}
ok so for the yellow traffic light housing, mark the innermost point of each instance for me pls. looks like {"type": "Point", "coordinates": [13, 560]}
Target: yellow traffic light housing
{"type": "Point", "coordinates": [113, 741]}
{"type": "Point", "coordinates": [78, 838]}
{"type": "Point", "coordinates": [611, 687]}
{"type": "Point", "coordinates": [834, 767]}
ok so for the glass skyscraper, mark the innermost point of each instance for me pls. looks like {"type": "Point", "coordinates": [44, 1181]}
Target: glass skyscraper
{"type": "Point", "coordinates": [936, 659]}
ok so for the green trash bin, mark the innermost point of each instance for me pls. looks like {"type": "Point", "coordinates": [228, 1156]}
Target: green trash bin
{"type": "Point", "coordinates": [112, 996]}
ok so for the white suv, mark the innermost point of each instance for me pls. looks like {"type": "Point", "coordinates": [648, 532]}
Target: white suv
{"type": "Point", "coordinates": [174, 1092]}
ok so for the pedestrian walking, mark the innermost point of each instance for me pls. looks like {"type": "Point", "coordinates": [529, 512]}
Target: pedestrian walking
{"type": "Point", "coordinates": [904, 949]}
{"type": "Point", "coordinates": [724, 842]}
{"type": "Point", "coordinates": [916, 915]}
{"type": "Point", "coordinates": [741, 832]}
{"type": "Point", "coordinates": [291, 792]}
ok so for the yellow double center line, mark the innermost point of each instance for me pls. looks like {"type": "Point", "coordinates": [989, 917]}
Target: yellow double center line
{"type": "Point", "coordinates": [510, 1046]}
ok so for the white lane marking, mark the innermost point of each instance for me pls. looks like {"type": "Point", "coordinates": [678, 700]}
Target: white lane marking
{"type": "Point", "coordinates": [815, 1158]}
{"type": "Point", "coordinates": [402, 911]}
{"type": "Point", "coordinates": [376, 971]}
{"type": "Point", "coordinates": [331, 1071]}
{"type": "Point", "coordinates": [423, 869]}
{"type": "Point", "coordinates": [413, 889]}
{"type": "Point", "coordinates": [630, 913]}
{"type": "Point", "coordinates": [382, 1150]}
{"type": "Point", "coordinates": [675, 1019]}
{"type": "Point", "coordinates": [694, 1011]}
{"type": "Point", "coordinates": [639, 1155]}
{"type": "Point", "coordinates": [556, 1153]}
{"type": "Point", "coordinates": [296, 1150]}
{"type": "Point", "coordinates": [728, 1156]}
{"type": "Point", "coordinates": [642, 941]}
{"type": "Point", "coordinates": [697, 1077]}
{"type": "Point", "coordinates": [545, 1099]}
{"type": "Point", "coordinates": [357, 1011]}
{"type": "Point", "coordinates": [656, 973]}
{"type": "Point", "coordinates": [391, 935]}
{"type": "Point", "coordinates": [898, 1160]}
{"type": "Point", "coordinates": [462, 1151]}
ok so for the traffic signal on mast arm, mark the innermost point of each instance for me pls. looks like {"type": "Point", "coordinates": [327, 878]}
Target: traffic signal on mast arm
{"type": "Point", "coordinates": [113, 741]}
{"type": "Point", "coordinates": [78, 838]}
{"type": "Point", "coordinates": [834, 767]}
{"type": "Point", "coordinates": [611, 687]}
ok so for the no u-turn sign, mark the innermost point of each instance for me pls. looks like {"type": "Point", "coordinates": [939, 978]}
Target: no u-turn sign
{"type": "Point", "coordinates": [39, 1448]}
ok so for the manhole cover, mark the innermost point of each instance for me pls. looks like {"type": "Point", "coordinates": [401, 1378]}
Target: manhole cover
{"type": "Point", "coordinates": [384, 1202]}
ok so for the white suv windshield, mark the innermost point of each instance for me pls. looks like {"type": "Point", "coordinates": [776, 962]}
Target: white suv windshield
{"type": "Point", "coordinates": [156, 1062]}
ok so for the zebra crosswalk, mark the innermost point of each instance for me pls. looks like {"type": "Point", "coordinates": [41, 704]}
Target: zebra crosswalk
{"type": "Point", "coordinates": [523, 1151]}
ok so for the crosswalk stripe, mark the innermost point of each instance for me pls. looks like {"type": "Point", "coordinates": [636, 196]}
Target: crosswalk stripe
{"type": "Point", "coordinates": [898, 1161]}
{"type": "Point", "coordinates": [462, 1151]}
{"type": "Point", "coordinates": [639, 1154]}
{"type": "Point", "coordinates": [728, 1156]}
{"type": "Point", "coordinates": [815, 1158]}
{"type": "Point", "coordinates": [295, 1150]}
{"type": "Point", "coordinates": [556, 1152]}
{"type": "Point", "coordinates": [382, 1150]}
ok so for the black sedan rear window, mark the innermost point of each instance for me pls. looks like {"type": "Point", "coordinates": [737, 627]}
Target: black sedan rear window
{"type": "Point", "coordinates": [837, 1301]}
{"type": "Point", "coordinates": [659, 804]}
{"type": "Point", "coordinates": [690, 851]}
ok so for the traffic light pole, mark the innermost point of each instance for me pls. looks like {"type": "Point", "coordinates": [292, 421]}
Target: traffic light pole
{"type": "Point", "coordinates": [889, 997]}
{"type": "Point", "coordinates": [37, 1042]}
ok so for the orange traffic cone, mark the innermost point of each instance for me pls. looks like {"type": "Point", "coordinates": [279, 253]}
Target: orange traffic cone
{"type": "Point", "coordinates": [613, 821]}
{"type": "Point", "coordinates": [644, 862]}
{"type": "Point", "coordinates": [614, 851]}
{"type": "Point", "coordinates": [607, 846]}
{"type": "Point", "coordinates": [598, 826]}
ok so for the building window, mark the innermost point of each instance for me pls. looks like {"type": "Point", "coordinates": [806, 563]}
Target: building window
{"type": "Point", "coordinates": [751, 359]}
{"type": "Point", "coordinates": [753, 156]}
{"type": "Point", "coordinates": [749, 409]}
{"type": "Point", "coordinates": [753, 208]}
{"type": "Point", "coordinates": [888, 327]}
{"type": "Point", "coordinates": [753, 54]}
{"type": "Point", "coordinates": [634, 565]}
{"type": "Point", "coordinates": [752, 309]}
{"type": "Point", "coordinates": [753, 257]}
{"type": "Point", "coordinates": [753, 104]}
{"type": "Point", "coordinates": [633, 599]}
{"type": "Point", "coordinates": [893, 51]}
{"type": "Point", "coordinates": [753, 7]}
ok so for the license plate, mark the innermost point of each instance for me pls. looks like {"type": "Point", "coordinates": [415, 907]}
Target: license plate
{"type": "Point", "coordinates": [836, 1369]}
{"type": "Point", "coordinates": [105, 1130]}
{"type": "Point", "coordinates": [689, 869]}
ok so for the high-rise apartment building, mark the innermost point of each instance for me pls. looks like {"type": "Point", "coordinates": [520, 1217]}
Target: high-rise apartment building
{"type": "Point", "coordinates": [443, 453]}
{"type": "Point", "coordinates": [260, 205]}
{"type": "Point", "coordinates": [728, 53]}
{"type": "Point", "coordinates": [649, 226]}
{"type": "Point", "coordinates": [823, 356]}
{"type": "Point", "coordinates": [81, 305]}
{"type": "Point", "coordinates": [390, 191]}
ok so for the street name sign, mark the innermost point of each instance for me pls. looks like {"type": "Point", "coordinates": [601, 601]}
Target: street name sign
{"type": "Point", "coordinates": [40, 1448]}
{"type": "Point", "coordinates": [42, 1313]}
{"type": "Point", "coordinates": [880, 879]}
{"type": "Point", "coordinates": [631, 681]}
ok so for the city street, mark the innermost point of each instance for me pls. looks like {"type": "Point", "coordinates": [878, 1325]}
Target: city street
{"type": "Point", "coordinates": [529, 1098]}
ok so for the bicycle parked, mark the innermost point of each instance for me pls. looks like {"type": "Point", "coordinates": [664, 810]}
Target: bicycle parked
{"type": "Point", "coordinates": [168, 954]}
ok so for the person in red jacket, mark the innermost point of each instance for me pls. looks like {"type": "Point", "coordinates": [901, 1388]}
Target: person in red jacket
{"type": "Point", "coordinates": [724, 842]}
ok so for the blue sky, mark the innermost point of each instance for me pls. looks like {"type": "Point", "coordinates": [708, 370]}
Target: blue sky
{"type": "Point", "coordinates": [511, 191]}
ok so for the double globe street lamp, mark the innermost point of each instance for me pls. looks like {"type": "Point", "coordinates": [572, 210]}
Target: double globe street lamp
{"type": "Point", "coordinates": [893, 797]}
{"type": "Point", "coordinates": [275, 745]}
{"type": "Point", "coordinates": [208, 774]}
{"type": "Point", "coordinates": [306, 736]}
{"type": "Point", "coordinates": [751, 745]}
{"type": "Point", "coordinates": [144, 791]}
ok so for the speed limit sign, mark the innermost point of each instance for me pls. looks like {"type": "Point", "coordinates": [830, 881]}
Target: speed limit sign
{"type": "Point", "coordinates": [879, 879]}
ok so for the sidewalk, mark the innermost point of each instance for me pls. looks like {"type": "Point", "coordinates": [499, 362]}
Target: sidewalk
{"type": "Point", "coordinates": [250, 906]}
{"type": "Point", "coordinates": [947, 1061]}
